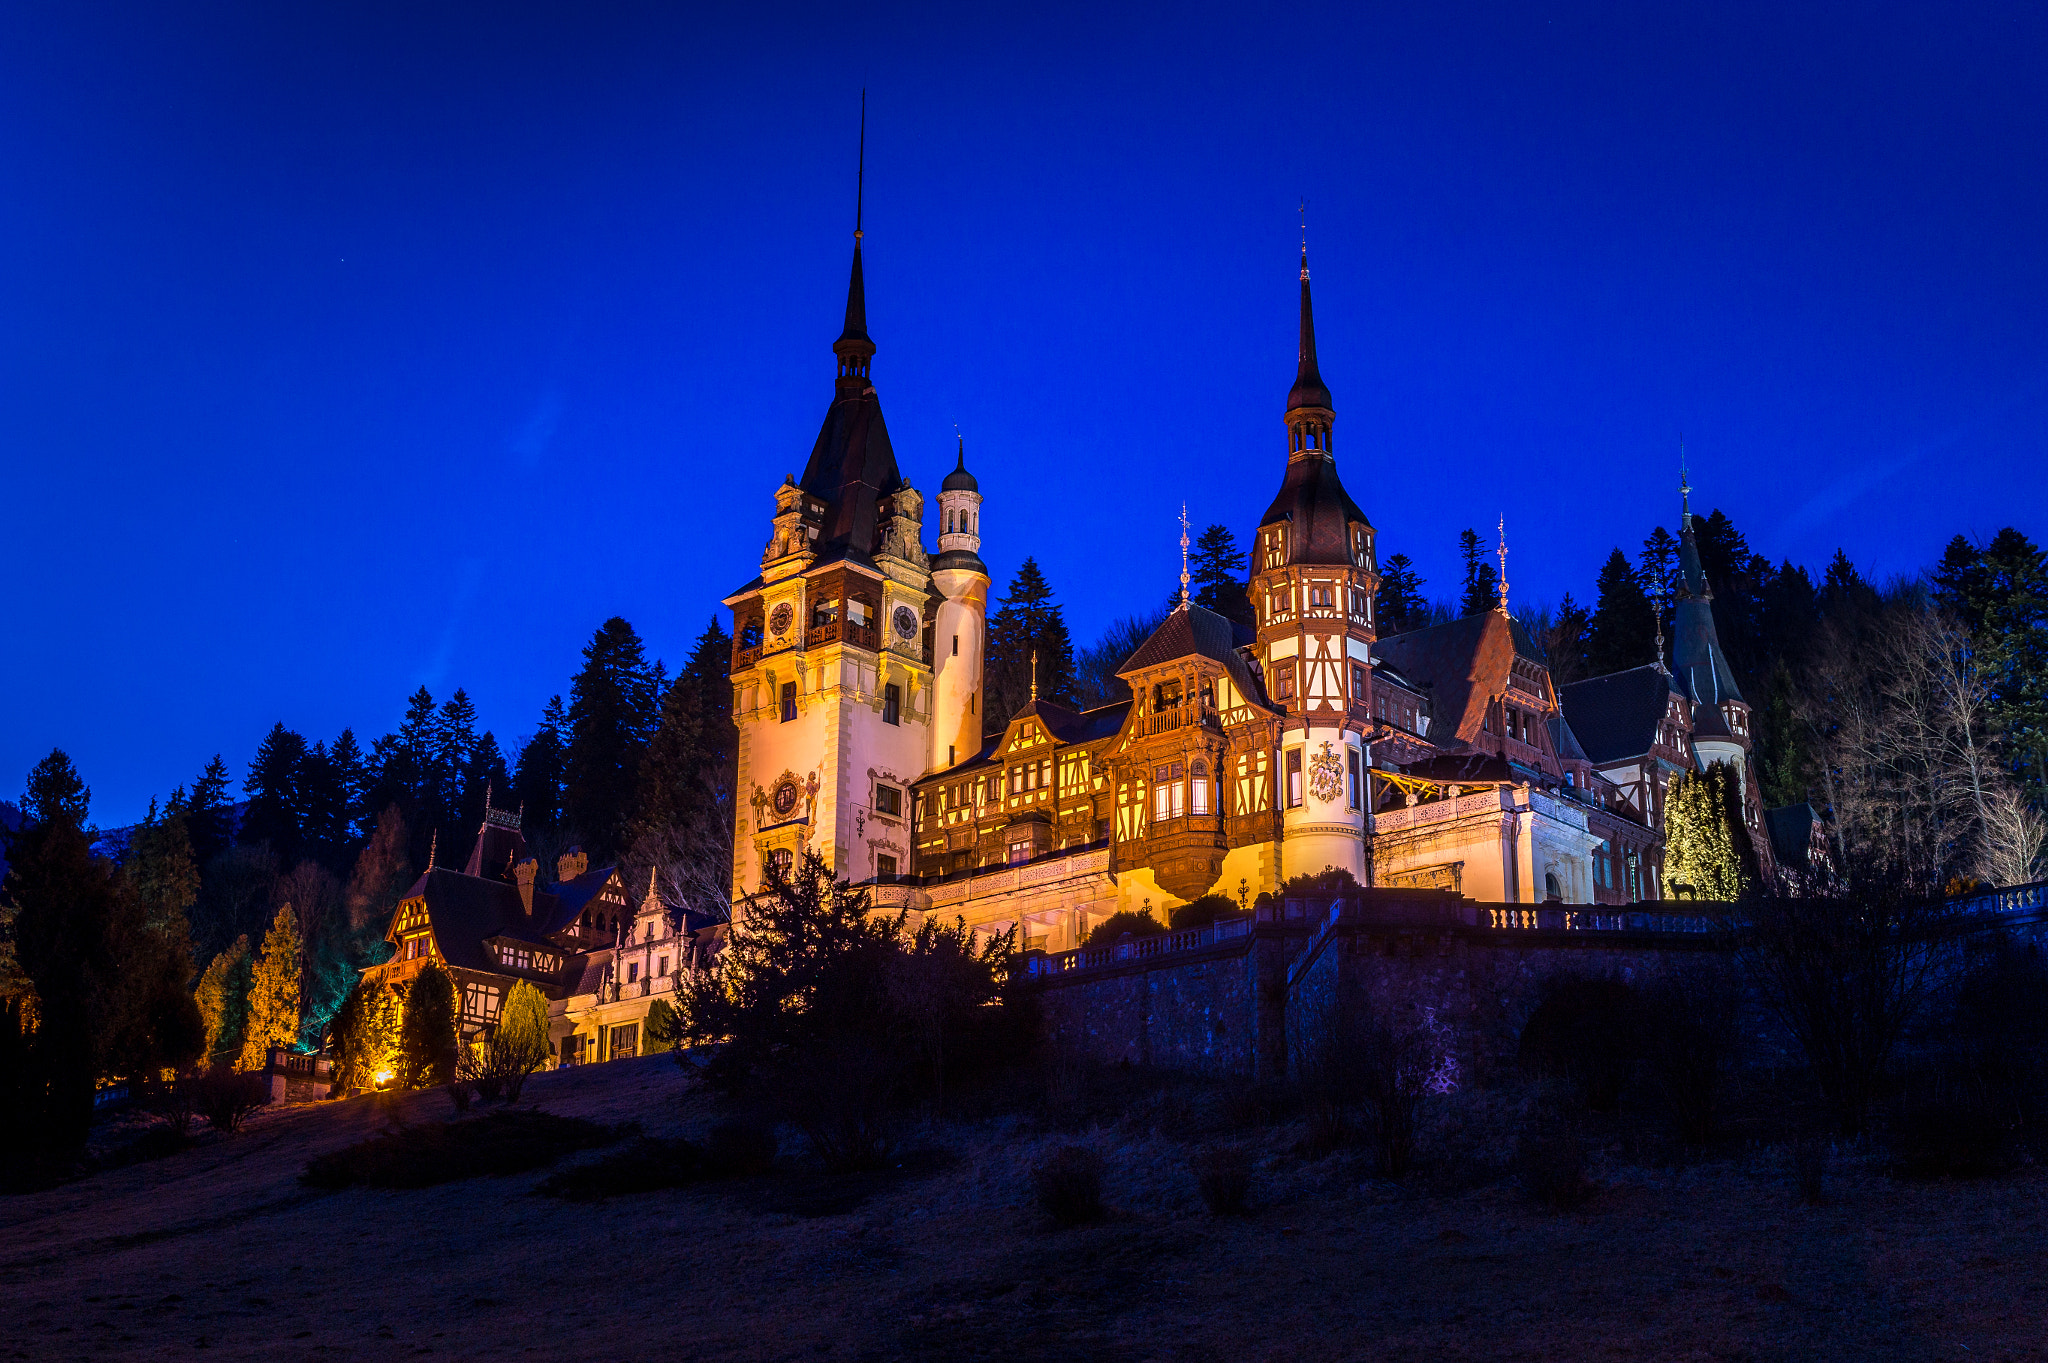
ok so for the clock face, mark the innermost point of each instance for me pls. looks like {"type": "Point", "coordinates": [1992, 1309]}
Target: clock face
{"type": "Point", "coordinates": [778, 620]}
{"type": "Point", "coordinates": [785, 797]}
{"type": "Point", "coordinates": [906, 623]}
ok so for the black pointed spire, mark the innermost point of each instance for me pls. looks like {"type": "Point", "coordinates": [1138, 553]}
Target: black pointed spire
{"type": "Point", "coordinates": [854, 347]}
{"type": "Point", "coordinates": [1309, 389]}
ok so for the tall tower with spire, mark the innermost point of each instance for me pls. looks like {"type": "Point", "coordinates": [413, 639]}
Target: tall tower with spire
{"type": "Point", "coordinates": [961, 631]}
{"type": "Point", "coordinates": [1313, 580]}
{"type": "Point", "coordinates": [1700, 672]}
{"type": "Point", "coordinates": [833, 644]}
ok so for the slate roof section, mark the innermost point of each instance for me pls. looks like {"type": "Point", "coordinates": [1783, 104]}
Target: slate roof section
{"type": "Point", "coordinates": [1791, 833]}
{"type": "Point", "coordinates": [466, 911]}
{"type": "Point", "coordinates": [1616, 717]}
{"type": "Point", "coordinates": [498, 848]}
{"type": "Point", "coordinates": [852, 464]}
{"type": "Point", "coordinates": [1466, 663]}
{"type": "Point", "coordinates": [1699, 668]}
{"type": "Point", "coordinates": [1564, 742]}
{"type": "Point", "coordinates": [1317, 510]}
{"type": "Point", "coordinates": [1193, 631]}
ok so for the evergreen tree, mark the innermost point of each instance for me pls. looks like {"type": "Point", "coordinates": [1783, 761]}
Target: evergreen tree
{"type": "Point", "coordinates": [2000, 595]}
{"type": "Point", "coordinates": [1783, 756]}
{"type": "Point", "coordinates": [1622, 631]}
{"type": "Point", "coordinates": [274, 992]}
{"type": "Point", "coordinates": [614, 703]}
{"type": "Point", "coordinates": [276, 811]}
{"type": "Point", "coordinates": [401, 765]}
{"type": "Point", "coordinates": [1562, 635]}
{"type": "Point", "coordinates": [1400, 606]}
{"type": "Point", "coordinates": [1027, 621]}
{"type": "Point", "coordinates": [223, 1001]}
{"type": "Point", "coordinates": [454, 744]}
{"type": "Point", "coordinates": [56, 794]}
{"type": "Point", "coordinates": [1482, 586]}
{"type": "Point", "coordinates": [483, 777]}
{"type": "Point", "coordinates": [209, 817]}
{"type": "Point", "coordinates": [1216, 576]}
{"type": "Point", "coordinates": [366, 1035]}
{"type": "Point", "coordinates": [1703, 837]}
{"type": "Point", "coordinates": [380, 877]}
{"type": "Point", "coordinates": [1659, 571]}
{"type": "Point", "coordinates": [352, 781]}
{"type": "Point", "coordinates": [324, 813]}
{"type": "Point", "coordinates": [682, 824]}
{"type": "Point", "coordinates": [538, 780]}
{"type": "Point", "coordinates": [524, 1020]}
{"type": "Point", "coordinates": [426, 1037]}
{"type": "Point", "coordinates": [161, 1028]}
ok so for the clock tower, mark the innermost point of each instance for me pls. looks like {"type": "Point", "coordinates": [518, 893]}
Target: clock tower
{"type": "Point", "coordinates": [833, 646]}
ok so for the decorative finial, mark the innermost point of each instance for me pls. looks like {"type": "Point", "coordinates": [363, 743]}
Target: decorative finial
{"type": "Point", "coordinates": [860, 181]}
{"type": "Point", "coordinates": [1184, 553]}
{"type": "Point", "coordinates": [1034, 674]}
{"type": "Point", "coordinates": [1304, 239]}
{"type": "Point", "coordinates": [1503, 528]}
{"type": "Point", "coordinates": [433, 846]}
{"type": "Point", "coordinates": [1684, 486]}
{"type": "Point", "coordinates": [487, 792]}
{"type": "Point", "coordinates": [1657, 613]}
{"type": "Point", "coordinates": [650, 882]}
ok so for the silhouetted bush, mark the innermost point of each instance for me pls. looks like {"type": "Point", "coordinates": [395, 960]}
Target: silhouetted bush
{"type": "Point", "coordinates": [1949, 1126]}
{"type": "Point", "coordinates": [738, 1148]}
{"type": "Point", "coordinates": [444, 1152]}
{"type": "Point", "coordinates": [1200, 913]}
{"type": "Point", "coordinates": [1223, 1173]}
{"type": "Point", "coordinates": [1068, 1186]}
{"type": "Point", "coordinates": [842, 1096]}
{"type": "Point", "coordinates": [224, 1097]}
{"type": "Point", "coordinates": [1112, 929]}
{"type": "Point", "coordinates": [1550, 1158]}
{"type": "Point", "coordinates": [1351, 1056]}
{"type": "Point", "coordinates": [646, 1165]}
{"type": "Point", "coordinates": [1992, 1038]}
{"type": "Point", "coordinates": [1690, 1043]}
{"type": "Point", "coordinates": [1584, 1032]}
{"type": "Point", "coordinates": [1810, 1168]}
{"type": "Point", "coordinates": [460, 1093]}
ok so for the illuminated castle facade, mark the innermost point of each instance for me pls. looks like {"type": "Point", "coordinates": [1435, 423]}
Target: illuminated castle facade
{"type": "Point", "coordinates": [1443, 757]}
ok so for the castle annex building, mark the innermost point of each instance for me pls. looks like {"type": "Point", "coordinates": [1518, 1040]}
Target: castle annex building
{"type": "Point", "coordinates": [1442, 758]}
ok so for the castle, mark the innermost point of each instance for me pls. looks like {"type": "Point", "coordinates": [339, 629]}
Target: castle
{"type": "Point", "coordinates": [1443, 757]}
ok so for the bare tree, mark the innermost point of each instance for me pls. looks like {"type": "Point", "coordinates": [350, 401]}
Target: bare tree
{"type": "Point", "coordinates": [2009, 852]}
{"type": "Point", "coordinates": [1095, 666]}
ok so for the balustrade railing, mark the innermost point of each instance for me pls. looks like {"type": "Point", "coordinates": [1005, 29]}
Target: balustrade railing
{"type": "Point", "coordinates": [1131, 949]}
{"type": "Point", "coordinates": [1178, 717]}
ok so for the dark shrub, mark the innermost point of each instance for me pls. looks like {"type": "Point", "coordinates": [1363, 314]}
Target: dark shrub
{"type": "Point", "coordinates": [1202, 912]}
{"type": "Point", "coordinates": [1810, 1168]}
{"type": "Point", "coordinates": [841, 1095]}
{"type": "Point", "coordinates": [1583, 1031]}
{"type": "Point", "coordinates": [225, 1097]}
{"type": "Point", "coordinates": [1113, 928]}
{"type": "Point", "coordinates": [1951, 1127]}
{"type": "Point", "coordinates": [1069, 1186]}
{"type": "Point", "coordinates": [460, 1093]}
{"type": "Point", "coordinates": [443, 1152]}
{"type": "Point", "coordinates": [1689, 1043]}
{"type": "Point", "coordinates": [644, 1166]}
{"type": "Point", "coordinates": [739, 1148]}
{"type": "Point", "coordinates": [1994, 1036]}
{"type": "Point", "coordinates": [1352, 1056]}
{"type": "Point", "coordinates": [1551, 1159]}
{"type": "Point", "coordinates": [1223, 1173]}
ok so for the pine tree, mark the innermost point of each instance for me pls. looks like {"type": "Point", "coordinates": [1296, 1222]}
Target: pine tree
{"type": "Point", "coordinates": [1703, 837]}
{"type": "Point", "coordinates": [538, 780]}
{"type": "Point", "coordinates": [1216, 573]}
{"type": "Point", "coordinates": [352, 781]}
{"type": "Point", "coordinates": [2000, 594]}
{"type": "Point", "coordinates": [223, 1001]}
{"type": "Point", "coordinates": [426, 1037]}
{"type": "Point", "coordinates": [401, 774]}
{"type": "Point", "coordinates": [274, 992]}
{"type": "Point", "coordinates": [366, 1035]}
{"type": "Point", "coordinates": [56, 794]}
{"type": "Point", "coordinates": [524, 1020]}
{"type": "Point", "coordinates": [162, 1028]}
{"type": "Point", "coordinates": [1400, 606]}
{"type": "Point", "coordinates": [1563, 641]}
{"type": "Point", "coordinates": [1783, 756]}
{"type": "Point", "coordinates": [614, 703]}
{"type": "Point", "coordinates": [380, 876]}
{"type": "Point", "coordinates": [1482, 586]}
{"type": "Point", "coordinates": [324, 825]}
{"type": "Point", "coordinates": [1027, 622]}
{"type": "Point", "coordinates": [483, 776]}
{"type": "Point", "coordinates": [1657, 568]}
{"type": "Point", "coordinates": [1622, 631]}
{"type": "Point", "coordinates": [209, 818]}
{"type": "Point", "coordinates": [276, 810]}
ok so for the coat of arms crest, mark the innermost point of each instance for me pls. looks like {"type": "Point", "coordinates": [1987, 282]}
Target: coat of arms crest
{"type": "Point", "coordinates": [1326, 775]}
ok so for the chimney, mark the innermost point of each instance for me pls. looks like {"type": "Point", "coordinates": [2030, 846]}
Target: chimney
{"type": "Point", "coordinates": [522, 876]}
{"type": "Point", "coordinates": [570, 865]}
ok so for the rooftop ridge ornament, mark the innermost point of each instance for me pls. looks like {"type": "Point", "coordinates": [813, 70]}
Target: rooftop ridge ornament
{"type": "Point", "coordinates": [1503, 528]}
{"type": "Point", "coordinates": [1684, 487]}
{"type": "Point", "coordinates": [1304, 240]}
{"type": "Point", "coordinates": [1034, 675]}
{"type": "Point", "coordinates": [1657, 614]}
{"type": "Point", "coordinates": [433, 846]}
{"type": "Point", "coordinates": [860, 174]}
{"type": "Point", "coordinates": [1184, 555]}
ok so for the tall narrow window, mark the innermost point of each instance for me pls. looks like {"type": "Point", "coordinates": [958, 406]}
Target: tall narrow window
{"type": "Point", "coordinates": [1162, 799]}
{"type": "Point", "coordinates": [1283, 680]}
{"type": "Point", "coordinates": [892, 704]}
{"type": "Point", "coordinates": [1352, 763]}
{"type": "Point", "coordinates": [788, 701]}
{"type": "Point", "coordinates": [1294, 778]}
{"type": "Point", "coordinates": [1198, 777]}
{"type": "Point", "coordinates": [956, 645]}
{"type": "Point", "coordinates": [1359, 683]}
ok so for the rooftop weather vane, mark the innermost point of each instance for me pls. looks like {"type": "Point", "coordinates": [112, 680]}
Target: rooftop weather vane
{"type": "Point", "coordinates": [1184, 553]}
{"type": "Point", "coordinates": [1503, 528]}
{"type": "Point", "coordinates": [860, 179]}
{"type": "Point", "coordinates": [1684, 484]}
{"type": "Point", "coordinates": [1034, 674]}
{"type": "Point", "coordinates": [1304, 238]}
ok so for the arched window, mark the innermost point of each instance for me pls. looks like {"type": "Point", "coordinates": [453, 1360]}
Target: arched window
{"type": "Point", "coordinates": [1198, 776]}
{"type": "Point", "coordinates": [1552, 891]}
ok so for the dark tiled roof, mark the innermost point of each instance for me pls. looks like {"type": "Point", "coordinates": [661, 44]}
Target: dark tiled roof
{"type": "Point", "coordinates": [1465, 662]}
{"type": "Point", "coordinates": [1465, 767]}
{"type": "Point", "coordinates": [1564, 742]}
{"type": "Point", "coordinates": [1698, 666]}
{"type": "Point", "coordinates": [1616, 716]}
{"type": "Point", "coordinates": [1193, 631]}
{"type": "Point", "coordinates": [851, 466]}
{"type": "Point", "coordinates": [1317, 509]}
{"type": "Point", "coordinates": [1791, 832]}
{"type": "Point", "coordinates": [467, 911]}
{"type": "Point", "coordinates": [497, 849]}
{"type": "Point", "coordinates": [573, 896]}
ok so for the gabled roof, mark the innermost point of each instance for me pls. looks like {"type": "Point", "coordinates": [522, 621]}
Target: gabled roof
{"type": "Point", "coordinates": [1791, 832]}
{"type": "Point", "coordinates": [1616, 717]}
{"type": "Point", "coordinates": [1699, 668]}
{"type": "Point", "coordinates": [1193, 631]}
{"type": "Point", "coordinates": [1317, 509]}
{"type": "Point", "coordinates": [467, 911]}
{"type": "Point", "coordinates": [1465, 662]}
{"type": "Point", "coordinates": [1564, 742]}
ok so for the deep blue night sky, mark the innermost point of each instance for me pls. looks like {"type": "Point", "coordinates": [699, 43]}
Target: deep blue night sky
{"type": "Point", "coordinates": [346, 348]}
